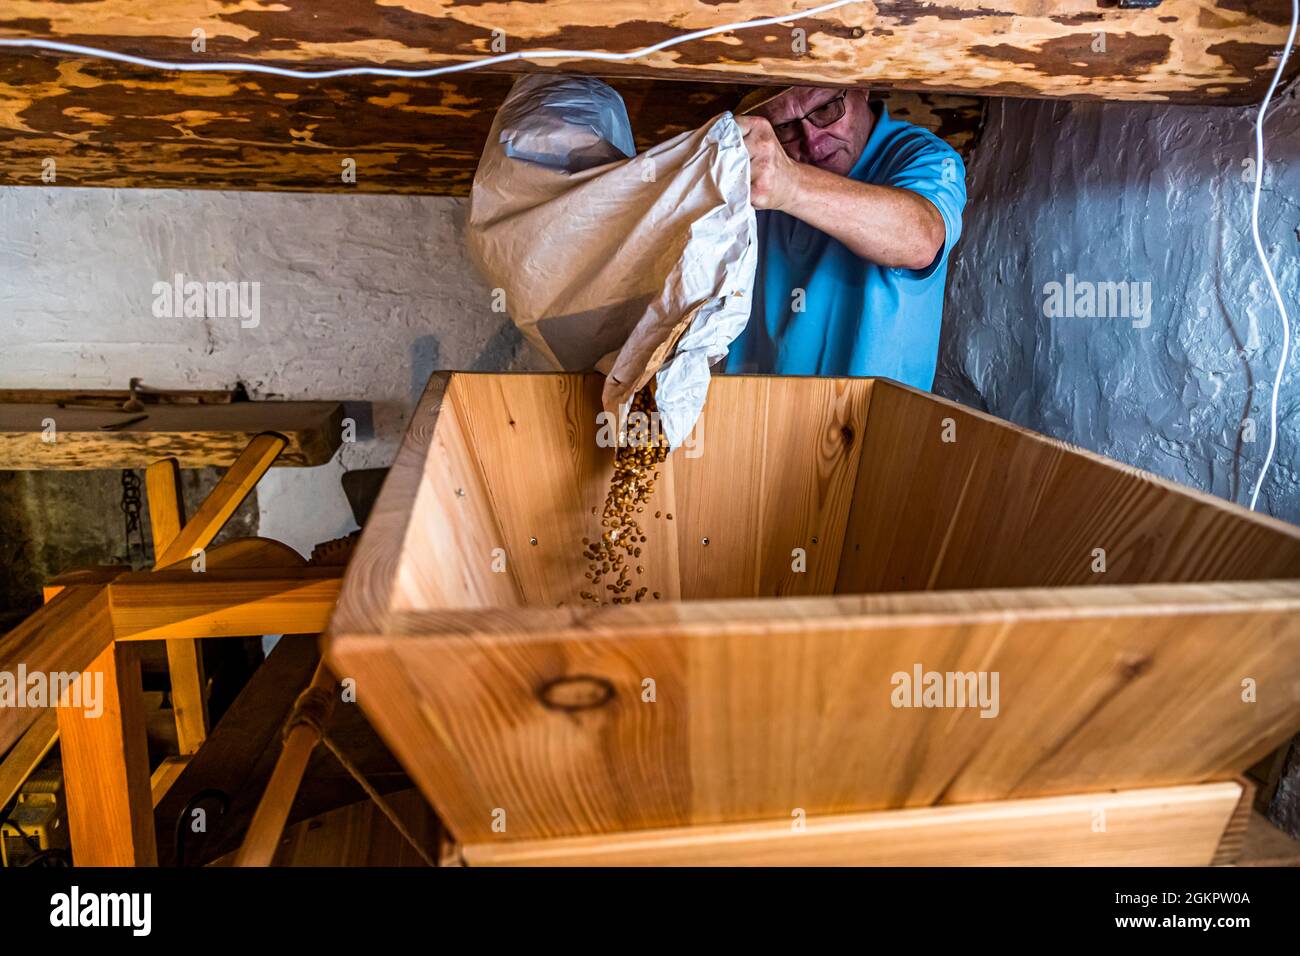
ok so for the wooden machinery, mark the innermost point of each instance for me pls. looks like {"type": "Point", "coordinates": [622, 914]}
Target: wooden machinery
{"type": "Point", "coordinates": [821, 537]}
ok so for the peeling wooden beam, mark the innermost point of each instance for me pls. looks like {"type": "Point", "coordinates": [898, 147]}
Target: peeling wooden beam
{"type": "Point", "coordinates": [82, 122]}
{"type": "Point", "coordinates": [1191, 49]}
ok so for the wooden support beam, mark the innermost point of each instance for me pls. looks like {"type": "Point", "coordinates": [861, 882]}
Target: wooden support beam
{"type": "Point", "coordinates": [106, 768]}
{"type": "Point", "coordinates": [149, 606]}
{"type": "Point", "coordinates": [63, 637]}
{"type": "Point", "coordinates": [117, 125]}
{"type": "Point", "coordinates": [263, 836]}
{"type": "Point", "coordinates": [166, 774]}
{"type": "Point", "coordinates": [1203, 50]}
{"type": "Point", "coordinates": [224, 499]}
{"type": "Point", "coordinates": [162, 481]}
{"type": "Point", "coordinates": [197, 435]}
{"type": "Point", "coordinates": [237, 758]}
{"type": "Point", "coordinates": [1163, 826]}
{"type": "Point", "coordinates": [162, 485]}
{"type": "Point", "coordinates": [27, 754]}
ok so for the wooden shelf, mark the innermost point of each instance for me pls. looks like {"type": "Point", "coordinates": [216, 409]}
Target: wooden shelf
{"type": "Point", "coordinates": [196, 435]}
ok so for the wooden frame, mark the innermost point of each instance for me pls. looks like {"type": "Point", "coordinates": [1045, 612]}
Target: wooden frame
{"type": "Point", "coordinates": [1174, 667]}
{"type": "Point", "coordinates": [106, 767]}
{"type": "Point", "coordinates": [91, 622]}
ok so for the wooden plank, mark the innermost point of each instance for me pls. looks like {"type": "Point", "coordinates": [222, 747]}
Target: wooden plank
{"type": "Point", "coordinates": [765, 706]}
{"type": "Point", "coordinates": [434, 466]}
{"type": "Point", "coordinates": [753, 538]}
{"type": "Point", "coordinates": [1233, 840]}
{"type": "Point", "coordinates": [107, 124]}
{"type": "Point", "coordinates": [166, 774]}
{"type": "Point", "coordinates": [196, 435]}
{"type": "Point", "coordinates": [162, 480]}
{"type": "Point", "coordinates": [82, 576]}
{"type": "Point", "coordinates": [224, 499]}
{"type": "Point", "coordinates": [1166, 826]}
{"type": "Point", "coordinates": [236, 759]}
{"type": "Point", "coordinates": [1188, 50]}
{"type": "Point", "coordinates": [63, 637]}
{"type": "Point", "coordinates": [162, 484]}
{"type": "Point", "coordinates": [112, 397]}
{"type": "Point", "coordinates": [267, 826]}
{"type": "Point", "coordinates": [106, 768]}
{"type": "Point", "coordinates": [27, 754]}
{"type": "Point", "coordinates": [937, 516]}
{"type": "Point", "coordinates": [150, 606]}
{"type": "Point", "coordinates": [357, 835]}
{"type": "Point", "coordinates": [246, 554]}
{"type": "Point", "coordinates": [542, 475]}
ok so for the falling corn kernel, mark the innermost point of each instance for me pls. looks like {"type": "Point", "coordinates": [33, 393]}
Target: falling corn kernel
{"type": "Point", "coordinates": [630, 489]}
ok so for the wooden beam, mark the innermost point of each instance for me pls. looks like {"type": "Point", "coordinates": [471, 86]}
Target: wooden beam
{"type": "Point", "coordinates": [166, 774]}
{"type": "Point", "coordinates": [196, 435]}
{"type": "Point", "coordinates": [106, 768]}
{"type": "Point", "coordinates": [150, 606]}
{"type": "Point", "coordinates": [63, 637]}
{"type": "Point", "coordinates": [162, 484]}
{"type": "Point", "coordinates": [237, 758]}
{"type": "Point", "coordinates": [108, 124]}
{"type": "Point", "coordinates": [162, 481]}
{"type": "Point", "coordinates": [27, 754]}
{"type": "Point", "coordinates": [1204, 50]}
{"type": "Point", "coordinates": [357, 835]}
{"type": "Point", "coordinates": [263, 836]}
{"type": "Point", "coordinates": [224, 499]}
{"type": "Point", "coordinates": [1163, 826]}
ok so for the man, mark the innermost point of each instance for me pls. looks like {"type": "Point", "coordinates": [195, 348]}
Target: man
{"type": "Point", "coordinates": [858, 213]}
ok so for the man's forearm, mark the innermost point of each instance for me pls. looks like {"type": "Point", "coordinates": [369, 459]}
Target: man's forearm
{"type": "Point", "coordinates": [891, 227]}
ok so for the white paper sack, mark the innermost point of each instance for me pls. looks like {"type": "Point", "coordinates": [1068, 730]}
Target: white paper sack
{"type": "Point", "coordinates": [633, 265]}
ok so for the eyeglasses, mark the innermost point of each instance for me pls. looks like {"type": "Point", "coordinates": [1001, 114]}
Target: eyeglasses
{"type": "Point", "coordinates": [832, 111]}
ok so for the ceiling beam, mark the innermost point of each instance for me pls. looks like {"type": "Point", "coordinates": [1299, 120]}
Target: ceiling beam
{"type": "Point", "coordinates": [1176, 49]}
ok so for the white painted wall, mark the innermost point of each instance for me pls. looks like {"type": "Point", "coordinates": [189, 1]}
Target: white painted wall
{"type": "Point", "coordinates": [361, 298]}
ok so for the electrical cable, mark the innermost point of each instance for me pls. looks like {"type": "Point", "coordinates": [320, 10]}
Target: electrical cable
{"type": "Point", "coordinates": [78, 49]}
{"type": "Point", "coordinates": [1263, 259]}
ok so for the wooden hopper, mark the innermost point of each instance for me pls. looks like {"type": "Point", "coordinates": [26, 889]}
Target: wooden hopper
{"type": "Point", "coordinates": [825, 536]}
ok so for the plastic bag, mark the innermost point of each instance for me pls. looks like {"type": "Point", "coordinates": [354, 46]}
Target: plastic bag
{"type": "Point", "coordinates": [637, 266]}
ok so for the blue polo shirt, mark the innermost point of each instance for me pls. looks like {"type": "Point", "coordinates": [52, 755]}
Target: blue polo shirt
{"type": "Point", "coordinates": [821, 310]}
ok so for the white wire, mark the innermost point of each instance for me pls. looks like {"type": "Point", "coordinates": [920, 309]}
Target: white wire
{"type": "Point", "coordinates": [1263, 259]}
{"type": "Point", "coordinates": [80, 50]}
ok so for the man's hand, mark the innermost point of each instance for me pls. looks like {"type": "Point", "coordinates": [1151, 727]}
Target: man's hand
{"type": "Point", "coordinates": [773, 176]}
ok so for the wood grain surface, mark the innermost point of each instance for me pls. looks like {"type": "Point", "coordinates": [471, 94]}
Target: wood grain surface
{"type": "Point", "coordinates": [108, 124]}
{"type": "Point", "coordinates": [1165, 826]}
{"type": "Point", "coordinates": [771, 689]}
{"type": "Point", "coordinates": [1203, 49]}
{"type": "Point", "coordinates": [195, 435]}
